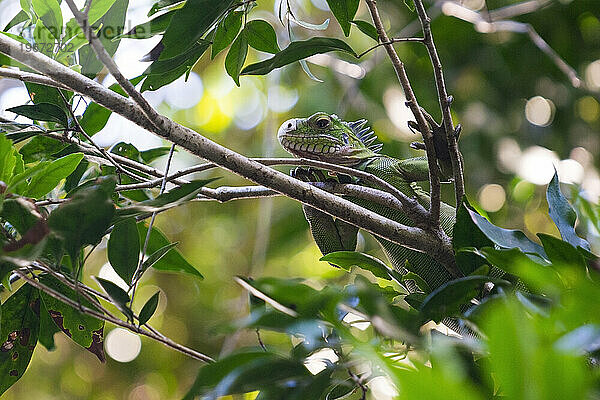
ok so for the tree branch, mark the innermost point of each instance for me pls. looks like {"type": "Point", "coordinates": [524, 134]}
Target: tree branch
{"type": "Point", "coordinates": [411, 237]}
{"type": "Point", "coordinates": [434, 173]}
{"type": "Point", "coordinates": [110, 318]}
{"type": "Point", "coordinates": [444, 100]}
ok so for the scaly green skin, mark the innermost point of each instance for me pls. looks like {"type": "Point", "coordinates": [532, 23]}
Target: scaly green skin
{"type": "Point", "coordinates": [327, 138]}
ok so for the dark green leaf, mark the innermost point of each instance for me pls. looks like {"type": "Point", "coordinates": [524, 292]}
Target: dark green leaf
{"type": "Point", "coordinates": [156, 256]}
{"type": "Point", "coordinates": [148, 29]}
{"type": "Point", "coordinates": [246, 372]}
{"type": "Point", "coordinates": [84, 219]}
{"type": "Point", "coordinates": [149, 308]}
{"type": "Point", "coordinates": [47, 179]}
{"type": "Point", "coordinates": [445, 301]}
{"type": "Point", "coordinates": [20, 213]}
{"type": "Point", "coordinates": [162, 72]}
{"type": "Point", "coordinates": [124, 249]}
{"type": "Point", "coordinates": [85, 330]}
{"type": "Point", "coordinates": [236, 56]}
{"type": "Point", "coordinates": [563, 215]}
{"type": "Point", "coordinates": [190, 23]}
{"type": "Point", "coordinates": [261, 36]}
{"type": "Point", "coordinates": [506, 238]}
{"type": "Point", "coordinates": [119, 297]}
{"type": "Point", "coordinates": [297, 51]}
{"type": "Point", "coordinates": [111, 15]}
{"type": "Point", "coordinates": [562, 254]}
{"type": "Point", "coordinates": [17, 19]}
{"type": "Point", "coordinates": [72, 180]}
{"type": "Point", "coordinates": [126, 150]}
{"type": "Point", "coordinates": [19, 334]}
{"type": "Point", "coordinates": [226, 32]}
{"type": "Point", "coordinates": [172, 261]}
{"type": "Point", "coordinates": [42, 112]}
{"type": "Point", "coordinates": [47, 329]}
{"type": "Point", "coordinates": [346, 259]}
{"type": "Point", "coordinates": [41, 147]}
{"type": "Point", "coordinates": [467, 234]}
{"type": "Point", "coordinates": [50, 14]}
{"type": "Point", "coordinates": [367, 29]}
{"type": "Point", "coordinates": [344, 11]}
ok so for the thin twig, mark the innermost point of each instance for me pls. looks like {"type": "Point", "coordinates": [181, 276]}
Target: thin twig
{"type": "Point", "coordinates": [109, 318]}
{"type": "Point", "coordinates": [434, 173]}
{"type": "Point", "coordinates": [138, 271]}
{"type": "Point", "coordinates": [31, 77]}
{"type": "Point", "coordinates": [392, 40]}
{"type": "Point", "coordinates": [151, 114]}
{"type": "Point", "coordinates": [444, 100]}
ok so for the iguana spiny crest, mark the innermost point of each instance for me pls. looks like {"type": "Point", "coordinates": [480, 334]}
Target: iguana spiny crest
{"type": "Point", "coordinates": [325, 137]}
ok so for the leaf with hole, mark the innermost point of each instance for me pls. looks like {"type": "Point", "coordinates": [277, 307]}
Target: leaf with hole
{"type": "Point", "coordinates": [19, 334]}
{"type": "Point", "coordinates": [83, 329]}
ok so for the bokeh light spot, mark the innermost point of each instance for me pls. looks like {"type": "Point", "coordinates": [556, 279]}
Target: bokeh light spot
{"type": "Point", "coordinates": [122, 345]}
{"type": "Point", "coordinates": [539, 110]}
{"type": "Point", "coordinates": [588, 109]}
{"type": "Point", "coordinates": [592, 75]}
{"type": "Point", "coordinates": [492, 197]}
{"type": "Point", "coordinates": [523, 191]}
{"type": "Point", "coordinates": [382, 388]}
{"type": "Point", "coordinates": [317, 361]}
{"type": "Point", "coordinates": [537, 165]}
{"type": "Point", "coordinates": [570, 171]}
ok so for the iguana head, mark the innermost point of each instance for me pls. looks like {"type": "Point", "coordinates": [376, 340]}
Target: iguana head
{"type": "Point", "coordinates": [325, 137]}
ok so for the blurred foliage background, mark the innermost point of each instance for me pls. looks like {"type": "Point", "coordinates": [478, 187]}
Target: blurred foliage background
{"type": "Point", "coordinates": [521, 116]}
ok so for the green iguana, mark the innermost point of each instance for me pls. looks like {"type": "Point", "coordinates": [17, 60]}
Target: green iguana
{"type": "Point", "coordinates": [327, 138]}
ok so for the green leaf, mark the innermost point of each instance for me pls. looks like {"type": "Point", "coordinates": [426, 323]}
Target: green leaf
{"type": "Point", "coordinates": [50, 14]}
{"type": "Point", "coordinates": [344, 11]}
{"type": "Point", "coordinates": [124, 249]}
{"type": "Point", "coordinates": [261, 36]}
{"type": "Point", "coordinates": [148, 29]}
{"type": "Point", "coordinates": [236, 56]}
{"type": "Point", "coordinates": [41, 147]}
{"type": "Point", "coordinates": [467, 234]}
{"type": "Point", "coordinates": [562, 253]}
{"type": "Point", "coordinates": [156, 256]}
{"type": "Point", "coordinates": [164, 71]}
{"type": "Point", "coordinates": [226, 32]}
{"type": "Point", "coordinates": [152, 154]}
{"type": "Point", "coordinates": [84, 219]}
{"type": "Point", "coordinates": [85, 330]}
{"type": "Point", "coordinates": [445, 301]}
{"type": "Point", "coordinates": [535, 275]}
{"type": "Point", "coordinates": [173, 198]}
{"type": "Point", "coordinates": [17, 19]}
{"type": "Point", "coordinates": [346, 259]}
{"type": "Point", "coordinates": [8, 159]}
{"type": "Point", "coordinates": [172, 261]}
{"type": "Point", "coordinates": [42, 112]}
{"type": "Point", "coordinates": [296, 51]}
{"type": "Point", "coordinates": [562, 214]}
{"type": "Point", "coordinates": [506, 238]}
{"type": "Point", "coordinates": [367, 29]}
{"type": "Point", "coordinates": [47, 179]}
{"type": "Point", "coordinates": [190, 23]}
{"type": "Point", "coordinates": [47, 329]}
{"type": "Point", "coordinates": [149, 309]}
{"type": "Point", "coordinates": [126, 150]}
{"type": "Point", "coordinates": [162, 4]}
{"type": "Point", "coordinates": [118, 296]}
{"type": "Point", "coordinates": [111, 15]}
{"type": "Point", "coordinates": [246, 372]}
{"type": "Point", "coordinates": [19, 334]}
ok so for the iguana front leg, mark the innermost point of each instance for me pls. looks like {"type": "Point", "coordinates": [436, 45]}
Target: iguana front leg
{"type": "Point", "coordinates": [330, 234]}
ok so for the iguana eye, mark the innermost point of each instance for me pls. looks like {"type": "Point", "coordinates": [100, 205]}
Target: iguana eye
{"type": "Point", "coordinates": [322, 122]}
